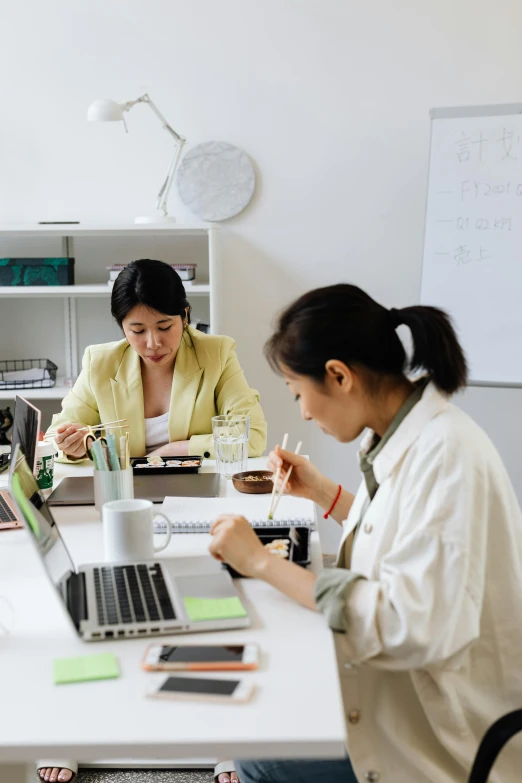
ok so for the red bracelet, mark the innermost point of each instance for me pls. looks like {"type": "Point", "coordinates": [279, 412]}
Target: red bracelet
{"type": "Point", "coordinates": [325, 516]}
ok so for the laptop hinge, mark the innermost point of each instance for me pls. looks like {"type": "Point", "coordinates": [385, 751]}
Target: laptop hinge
{"type": "Point", "coordinates": [76, 598]}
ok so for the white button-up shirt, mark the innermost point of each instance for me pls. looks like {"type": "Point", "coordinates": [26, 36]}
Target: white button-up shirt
{"type": "Point", "coordinates": [430, 648]}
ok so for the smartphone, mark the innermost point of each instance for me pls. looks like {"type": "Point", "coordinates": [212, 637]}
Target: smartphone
{"type": "Point", "coordinates": [200, 657]}
{"type": "Point", "coordinates": [203, 689]}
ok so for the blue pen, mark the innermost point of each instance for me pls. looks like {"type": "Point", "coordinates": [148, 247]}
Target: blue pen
{"type": "Point", "coordinates": [113, 454]}
{"type": "Point", "coordinates": [97, 450]}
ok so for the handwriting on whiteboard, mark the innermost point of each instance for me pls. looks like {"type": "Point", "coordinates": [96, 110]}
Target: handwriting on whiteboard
{"type": "Point", "coordinates": [492, 198]}
{"type": "Point", "coordinates": [505, 147]}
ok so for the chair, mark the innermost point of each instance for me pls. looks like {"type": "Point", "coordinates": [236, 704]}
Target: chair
{"type": "Point", "coordinates": [492, 743]}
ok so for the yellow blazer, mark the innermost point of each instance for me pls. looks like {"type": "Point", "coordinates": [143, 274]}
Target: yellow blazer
{"type": "Point", "coordinates": [208, 381]}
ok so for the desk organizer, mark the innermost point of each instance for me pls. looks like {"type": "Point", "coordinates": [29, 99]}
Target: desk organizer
{"type": "Point", "coordinates": [27, 374]}
{"type": "Point", "coordinates": [36, 271]}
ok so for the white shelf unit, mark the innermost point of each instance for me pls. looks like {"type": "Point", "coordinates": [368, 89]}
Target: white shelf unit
{"type": "Point", "coordinates": [77, 291]}
{"type": "Point", "coordinates": [154, 241]}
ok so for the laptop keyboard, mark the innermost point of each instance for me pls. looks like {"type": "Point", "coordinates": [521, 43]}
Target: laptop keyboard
{"type": "Point", "coordinates": [131, 594]}
{"type": "Point", "coordinates": [6, 513]}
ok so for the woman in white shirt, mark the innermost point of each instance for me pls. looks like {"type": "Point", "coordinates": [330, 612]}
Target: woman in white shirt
{"type": "Point", "coordinates": [426, 597]}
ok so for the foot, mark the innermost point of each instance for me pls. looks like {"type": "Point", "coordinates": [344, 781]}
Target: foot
{"type": "Point", "coordinates": [55, 774]}
{"type": "Point", "coordinates": [228, 777]}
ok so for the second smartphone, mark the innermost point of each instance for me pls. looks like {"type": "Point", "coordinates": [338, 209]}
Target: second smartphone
{"type": "Point", "coordinates": [201, 657]}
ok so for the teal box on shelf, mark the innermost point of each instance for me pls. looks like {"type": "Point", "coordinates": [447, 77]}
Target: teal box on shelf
{"type": "Point", "coordinates": [36, 271]}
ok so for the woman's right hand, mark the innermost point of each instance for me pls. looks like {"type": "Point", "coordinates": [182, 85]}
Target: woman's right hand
{"type": "Point", "coordinates": [69, 439]}
{"type": "Point", "coordinates": [305, 482]}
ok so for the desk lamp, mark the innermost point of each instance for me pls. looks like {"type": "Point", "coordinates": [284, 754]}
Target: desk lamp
{"type": "Point", "coordinates": [107, 110]}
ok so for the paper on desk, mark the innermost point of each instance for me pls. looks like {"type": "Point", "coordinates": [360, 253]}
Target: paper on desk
{"type": "Point", "coordinates": [253, 507]}
{"type": "Point", "coordinates": [33, 374]}
{"type": "Point", "coordinates": [103, 666]}
{"type": "Point", "coordinates": [199, 609]}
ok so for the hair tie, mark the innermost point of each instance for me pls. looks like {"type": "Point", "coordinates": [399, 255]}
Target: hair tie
{"type": "Point", "coordinates": [395, 317]}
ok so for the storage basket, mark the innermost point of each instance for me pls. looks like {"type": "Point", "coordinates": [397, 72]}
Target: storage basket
{"type": "Point", "coordinates": [40, 374]}
{"type": "Point", "coordinates": [36, 271]}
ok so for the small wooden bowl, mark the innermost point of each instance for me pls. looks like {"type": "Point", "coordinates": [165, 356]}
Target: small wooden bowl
{"type": "Point", "coordinates": [253, 487]}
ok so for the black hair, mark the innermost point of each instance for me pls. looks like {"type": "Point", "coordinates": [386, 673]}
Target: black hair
{"type": "Point", "coordinates": [342, 322]}
{"type": "Point", "coordinates": [154, 284]}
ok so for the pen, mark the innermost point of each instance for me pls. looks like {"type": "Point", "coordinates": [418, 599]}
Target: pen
{"type": "Point", "coordinates": [123, 452]}
{"type": "Point", "coordinates": [113, 455]}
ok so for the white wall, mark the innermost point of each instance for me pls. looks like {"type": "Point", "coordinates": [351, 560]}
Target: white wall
{"type": "Point", "coordinates": [329, 98]}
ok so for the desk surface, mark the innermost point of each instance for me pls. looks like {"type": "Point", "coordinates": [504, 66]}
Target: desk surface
{"type": "Point", "coordinates": [296, 710]}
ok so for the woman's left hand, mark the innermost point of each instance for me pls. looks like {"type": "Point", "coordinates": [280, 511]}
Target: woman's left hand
{"type": "Point", "coordinates": [234, 542]}
{"type": "Point", "coordinates": [177, 448]}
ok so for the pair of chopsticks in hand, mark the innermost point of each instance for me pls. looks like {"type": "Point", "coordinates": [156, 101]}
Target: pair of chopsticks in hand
{"type": "Point", "coordinates": [276, 496]}
{"type": "Point", "coordinates": [109, 425]}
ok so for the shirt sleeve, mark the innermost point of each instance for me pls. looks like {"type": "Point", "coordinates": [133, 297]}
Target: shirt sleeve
{"type": "Point", "coordinates": [424, 607]}
{"type": "Point", "coordinates": [332, 592]}
{"type": "Point", "coordinates": [79, 405]}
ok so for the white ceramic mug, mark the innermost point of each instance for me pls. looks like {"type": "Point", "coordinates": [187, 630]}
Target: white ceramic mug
{"type": "Point", "coordinates": [128, 531]}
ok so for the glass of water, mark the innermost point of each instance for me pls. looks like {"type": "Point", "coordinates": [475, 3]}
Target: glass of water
{"type": "Point", "coordinates": [231, 443]}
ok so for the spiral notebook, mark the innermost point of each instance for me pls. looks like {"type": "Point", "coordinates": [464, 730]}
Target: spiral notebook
{"type": "Point", "coordinates": [196, 515]}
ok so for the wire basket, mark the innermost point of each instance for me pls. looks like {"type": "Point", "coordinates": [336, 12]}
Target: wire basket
{"type": "Point", "coordinates": [41, 374]}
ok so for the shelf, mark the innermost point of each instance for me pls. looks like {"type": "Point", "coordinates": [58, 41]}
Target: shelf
{"type": "Point", "coordinates": [57, 392]}
{"type": "Point", "coordinates": [76, 291]}
{"type": "Point", "coordinates": [102, 229]}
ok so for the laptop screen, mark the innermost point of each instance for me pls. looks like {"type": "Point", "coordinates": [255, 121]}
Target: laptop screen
{"type": "Point", "coordinates": [38, 519]}
{"type": "Point", "coordinates": [26, 427]}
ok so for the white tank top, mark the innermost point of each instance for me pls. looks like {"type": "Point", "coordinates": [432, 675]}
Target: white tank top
{"type": "Point", "coordinates": [156, 432]}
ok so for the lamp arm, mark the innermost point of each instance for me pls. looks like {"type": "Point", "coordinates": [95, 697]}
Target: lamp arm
{"type": "Point", "coordinates": [163, 195]}
{"type": "Point", "coordinates": [145, 98]}
{"type": "Point", "coordinates": [180, 141]}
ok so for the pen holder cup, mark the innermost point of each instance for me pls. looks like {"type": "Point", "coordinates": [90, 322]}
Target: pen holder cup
{"type": "Point", "coordinates": [112, 485]}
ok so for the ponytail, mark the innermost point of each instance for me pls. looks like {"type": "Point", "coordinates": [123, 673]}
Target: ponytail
{"type": "Point", "coordinates": [436, 348]}
{"type": "Point", "coordinates": [342, 322]}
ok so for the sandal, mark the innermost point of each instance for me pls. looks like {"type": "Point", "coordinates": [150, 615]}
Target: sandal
{"type": "Point", "coordinates": [59, 764]}
{"type": "Point", "coordinates": [223, 768]}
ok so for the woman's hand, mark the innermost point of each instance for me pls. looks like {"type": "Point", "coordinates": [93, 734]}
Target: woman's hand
{"type": "Point", "coordinates": [178, 448]}
{"type": "Point", "coordinates": [305, 482]}
{"type": "Point", "coordinates": [234, 542]}
{"type": "Point", "coordinates": [69, 439]}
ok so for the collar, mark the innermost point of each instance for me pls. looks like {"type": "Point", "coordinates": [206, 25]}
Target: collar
{"type": "Point", "coordinates": [397, 444]}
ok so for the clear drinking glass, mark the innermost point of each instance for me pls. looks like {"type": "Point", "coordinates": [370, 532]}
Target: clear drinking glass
{"type": "Point", "coordinates": [231, 443]}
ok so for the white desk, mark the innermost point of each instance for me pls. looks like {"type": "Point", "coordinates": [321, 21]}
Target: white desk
{"type": "Point", "coordinates": [296, 710]}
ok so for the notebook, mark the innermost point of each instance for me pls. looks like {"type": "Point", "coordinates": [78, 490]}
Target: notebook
{"type": "Point", "coordinates": [196, 515]}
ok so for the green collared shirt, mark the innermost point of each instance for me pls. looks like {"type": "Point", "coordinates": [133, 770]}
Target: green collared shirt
{"type": "Point", "coordinates": [333, 585]}
{"type": "Point", "coordinates": [366, 459]}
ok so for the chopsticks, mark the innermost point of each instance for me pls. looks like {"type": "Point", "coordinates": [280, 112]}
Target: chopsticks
{"type": "Point", "coordinates": [278, 473]}
{"type": "Point", "coordinates": [109, 425]}
{"type": "Point", "coordinates": [273, 508]}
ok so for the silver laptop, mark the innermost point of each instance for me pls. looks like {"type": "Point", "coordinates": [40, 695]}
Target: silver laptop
{"type": "Point", "coordinates": [112, 600]}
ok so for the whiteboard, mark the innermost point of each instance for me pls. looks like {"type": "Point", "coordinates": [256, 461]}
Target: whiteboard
{"type": "Point", "coordinates": [472, 264]}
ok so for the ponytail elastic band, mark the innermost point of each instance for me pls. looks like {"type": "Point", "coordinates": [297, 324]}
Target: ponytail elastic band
{"type": "Point", "coordinates": [395, 317]}
{"type": "Point", "coordinates": [325, 516]}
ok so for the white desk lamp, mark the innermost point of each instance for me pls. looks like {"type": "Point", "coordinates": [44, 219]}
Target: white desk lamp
{"type": "Point", "coordinates": [107, 110]}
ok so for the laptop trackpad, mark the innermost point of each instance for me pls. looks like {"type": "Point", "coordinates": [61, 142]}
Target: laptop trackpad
{"type": "Point", "coordinates": [201, 577]}
{"type": "Point", "coordinates": [192, 566]}
{"type": "Point", "coordinates": [210, 586]}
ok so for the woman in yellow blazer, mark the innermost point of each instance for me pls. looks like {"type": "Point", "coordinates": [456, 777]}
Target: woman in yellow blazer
{"type": "Point", "coordinates": [166, 378]}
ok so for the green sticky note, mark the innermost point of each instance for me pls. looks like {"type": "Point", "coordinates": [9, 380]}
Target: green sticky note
{"type": "Point", "coordinates": [85, 668]}
{"type": "Point", "coordinates": [199, 609]}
